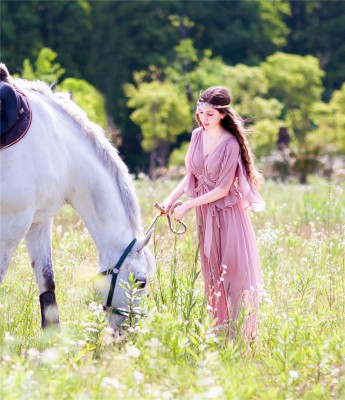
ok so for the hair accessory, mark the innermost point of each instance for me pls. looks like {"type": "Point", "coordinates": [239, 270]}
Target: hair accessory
{"type": "Point", "coordinates": [204, 103]}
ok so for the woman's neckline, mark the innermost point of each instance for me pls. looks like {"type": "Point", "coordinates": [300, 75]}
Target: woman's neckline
{"type": "Point", "coordinates": [217, 143]}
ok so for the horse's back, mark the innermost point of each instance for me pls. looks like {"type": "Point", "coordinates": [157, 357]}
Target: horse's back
{"type": "Point", "coordinates": [31, 169]}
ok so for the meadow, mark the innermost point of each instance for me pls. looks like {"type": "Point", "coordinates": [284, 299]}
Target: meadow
{"type": "Point", "coordinates": [173, 353]}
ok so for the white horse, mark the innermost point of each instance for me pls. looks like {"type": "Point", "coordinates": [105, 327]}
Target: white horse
{"type": "Point", "coordinates": [66, 159]}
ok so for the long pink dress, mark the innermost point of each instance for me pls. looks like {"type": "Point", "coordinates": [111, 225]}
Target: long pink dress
{"type": "Point", "coordinates": [228, 250]}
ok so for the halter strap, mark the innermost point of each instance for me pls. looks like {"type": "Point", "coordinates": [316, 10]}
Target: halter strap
{"type": "Point", "coordinates": [120, 261]}
{"type": "Point", "coordinates": [115, 271]}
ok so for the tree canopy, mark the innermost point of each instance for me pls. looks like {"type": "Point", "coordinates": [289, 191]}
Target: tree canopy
{"type": "Point", "coordinates": [191, 45]}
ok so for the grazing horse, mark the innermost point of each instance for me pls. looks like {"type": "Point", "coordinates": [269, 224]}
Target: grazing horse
{"type": "Point", "coordinates": [63, 158]}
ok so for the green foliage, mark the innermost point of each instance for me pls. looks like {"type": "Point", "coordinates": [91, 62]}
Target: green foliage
{"type": "Point", "coordinates": [186, 59]}
{"type": "Point", "coordinates": [296, 82]}
{"type": "Point", "coordinates": [294, 79]}
{"type": "Point", "coordinates": [45, 67]}
{"type": "Point", "coordinates": [263, 136]}
{"type": "Point", "coordinates": [271, 14]}
{"type": "Point", "coordinates": [249, 88]}
{"type": "Point", "coordinates": [104, 42]}
{"type": "Point", "coordinates": [330, 120]}
{"type": "Point", "coordinates": [83, 93]}
{"type": "Point", "coordinates": [178, 155]}
{"type": "Point", "coordinates": [317, 27]}
{"type": "Point", "coordinates": [161, 111]}
{"type": "Point", "coordinates": [87, 97]}
{"type": "Point", "coordinates": [208, 72]}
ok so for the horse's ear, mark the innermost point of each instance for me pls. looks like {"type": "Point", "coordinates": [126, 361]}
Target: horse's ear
{"type": "Point", "coordinates": [145, 241]}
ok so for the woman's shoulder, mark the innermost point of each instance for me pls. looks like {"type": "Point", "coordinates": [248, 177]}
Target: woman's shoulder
{"type": "Point", "coordinates": [231, 142]}
{"type": "Point", "coordinates": [197, 131]}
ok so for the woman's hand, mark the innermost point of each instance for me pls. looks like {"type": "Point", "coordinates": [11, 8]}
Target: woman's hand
{"type": "Point", "coordinates": [165, 205]}
{"type": "Point", "coordinates": [180, 211]}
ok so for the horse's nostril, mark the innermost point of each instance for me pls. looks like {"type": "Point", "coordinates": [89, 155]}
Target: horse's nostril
{"type": "Point", "coordinates": [141, 283]}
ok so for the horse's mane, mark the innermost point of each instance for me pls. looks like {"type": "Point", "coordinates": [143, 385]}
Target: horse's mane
{"type": "Point", "coordinates": [108, 154]}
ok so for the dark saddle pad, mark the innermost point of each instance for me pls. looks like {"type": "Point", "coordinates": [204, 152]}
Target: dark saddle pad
{"type": "Point", "coordinates": [15, 114]}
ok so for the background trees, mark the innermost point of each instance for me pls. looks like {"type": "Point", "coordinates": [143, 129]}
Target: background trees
{"type": "Point", "coordinates": [250, 46]}
{"type": "Point", "coordinates": [83, 93]}
{"type": "Point", "coordinates": [162, 112]}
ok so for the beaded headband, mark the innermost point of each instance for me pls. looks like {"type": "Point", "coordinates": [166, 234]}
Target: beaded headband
{"type": "Point", "coordinates": [204, 103]}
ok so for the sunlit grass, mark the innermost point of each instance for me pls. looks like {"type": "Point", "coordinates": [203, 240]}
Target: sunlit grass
{"type": "Point", "coordinates": [173, 353]}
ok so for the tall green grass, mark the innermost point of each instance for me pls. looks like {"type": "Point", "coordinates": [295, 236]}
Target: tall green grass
{"type": "Point", "coordinates": [173, 351]}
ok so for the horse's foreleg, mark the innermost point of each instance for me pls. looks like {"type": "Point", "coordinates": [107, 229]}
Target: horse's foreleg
{"type": "Point", "coordinates": [11, 233]}
{"type": "Point", "coordinates": [38, 243]}
{"type": "Point", "coordinates": [6, 252]}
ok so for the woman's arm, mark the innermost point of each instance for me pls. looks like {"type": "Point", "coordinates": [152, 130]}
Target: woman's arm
{"type": "Point", "coordinates": [174, 195]}
{"type": "Point", "coordinates": [213, 195]}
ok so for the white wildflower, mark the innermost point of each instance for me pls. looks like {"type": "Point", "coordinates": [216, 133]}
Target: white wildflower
{"type": "Point", "coordinates": [293, 374]}
{"type": "Point", "coordinates": [154, 343]}
{"type": "Point", "coordinates": [8, 337]}
{"type": "Point", "coordinates": [33, 353]}
{"type": "Point", "coordinates": [90, 329]}
{"type": "Point", "coordinates": [138, 377]}
{"type": "Point", "coordinates": [133, 351]}
{"type": "Point", "coordinates": [112, 382]}
{"type": "Point", "coordinates": [215, 392]}
{"type": "Point", "coordinates": [50, 356]}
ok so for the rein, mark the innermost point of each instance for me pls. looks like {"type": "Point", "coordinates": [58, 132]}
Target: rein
{"type": "Point", "coordinates": [169, 216]}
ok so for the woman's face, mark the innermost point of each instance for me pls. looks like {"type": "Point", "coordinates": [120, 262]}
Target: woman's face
{"type": "Point", "coordinates": [209, 117]}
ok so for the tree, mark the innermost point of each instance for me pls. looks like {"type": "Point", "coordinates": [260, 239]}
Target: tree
{"type": "Point", "coordinates": [318, 28]}
{"type": "Point", "coordinates": [330, 121]}
{"type": "Point", "coordinates": [45, 67]}
{"type": "Point", "coordinates": [29, 25]}
{"type": "Point", "coordinates": [162, 113]}
{"type": "Point", "coordinates": [296, 82]}
{"type": "Point", "coordinates": [87, 97]}
{"type": "Point", "coordinates": [105, 42]}
{"type": "Point", "coordinates": [249, 88]}
{"type": "Point", "coordinates": [20, 35]}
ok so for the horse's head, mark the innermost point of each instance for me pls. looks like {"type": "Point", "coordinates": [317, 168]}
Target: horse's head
{"type": "Point", "coordinates": [121, 288]}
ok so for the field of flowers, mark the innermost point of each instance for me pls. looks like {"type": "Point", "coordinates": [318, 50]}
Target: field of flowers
{"type": "Point", "coordinates": [173, 352]}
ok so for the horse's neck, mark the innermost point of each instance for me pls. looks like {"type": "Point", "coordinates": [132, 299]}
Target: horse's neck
{"type": "Point", "coordinates": [96, 197]}
{"type": "Point", "coordinates": [78, 161]}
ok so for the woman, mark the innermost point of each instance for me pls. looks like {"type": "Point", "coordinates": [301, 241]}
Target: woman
{"type": "Point", "coordinates": [221, 182]}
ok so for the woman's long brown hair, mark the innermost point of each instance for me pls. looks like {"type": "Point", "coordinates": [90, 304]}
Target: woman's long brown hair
{"type": "Point", "coordinates": [233, 123]}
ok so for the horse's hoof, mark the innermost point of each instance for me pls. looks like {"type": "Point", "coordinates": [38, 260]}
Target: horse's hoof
{"type": "Point", "coordinates": [49, 310]}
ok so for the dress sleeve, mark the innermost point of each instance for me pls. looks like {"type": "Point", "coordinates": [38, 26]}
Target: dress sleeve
{"type": "Point", "coordinates": [228, 165]}
{"type": "Point", "coordinates": [251, 198]}
{"type": "Point", "coordinates": [244, 191]}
